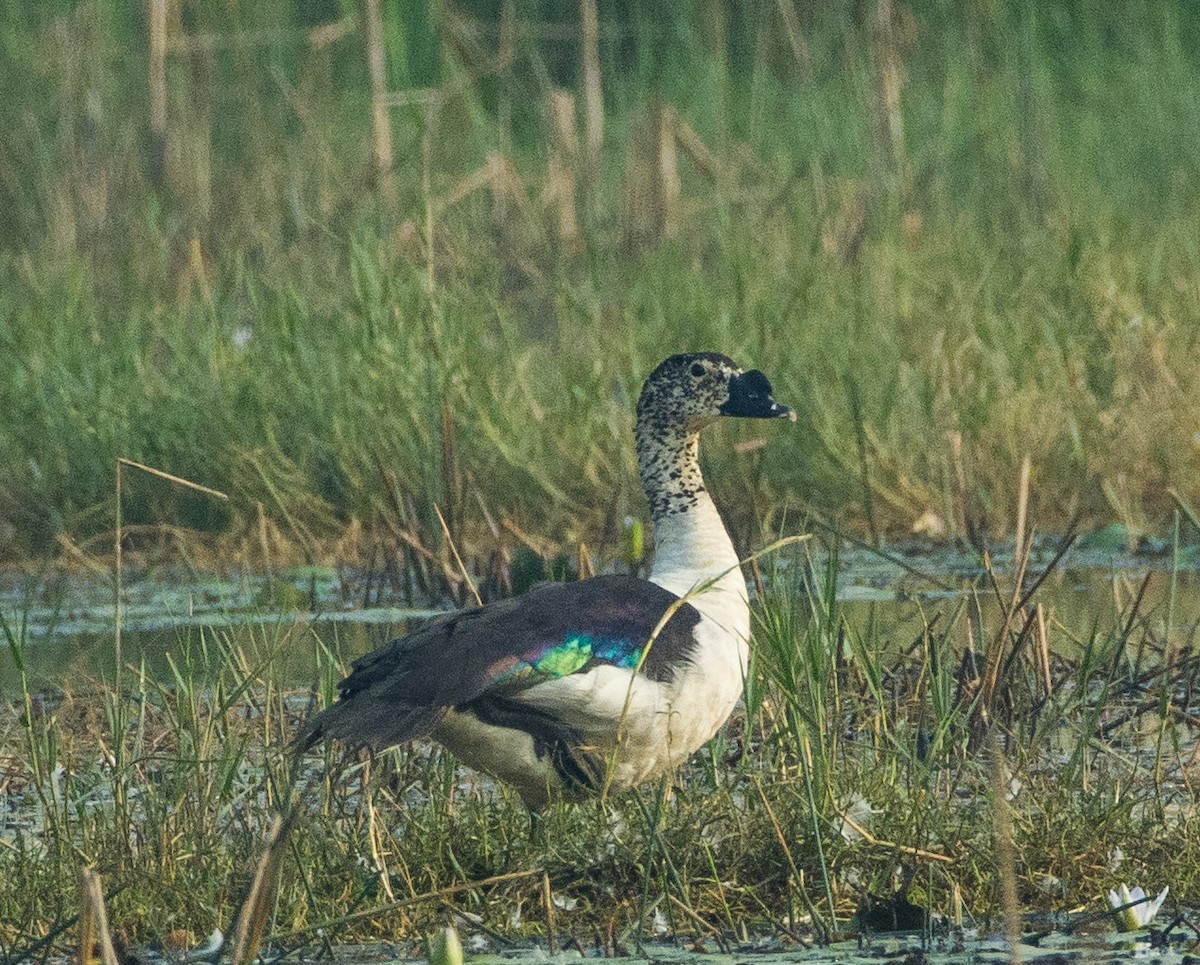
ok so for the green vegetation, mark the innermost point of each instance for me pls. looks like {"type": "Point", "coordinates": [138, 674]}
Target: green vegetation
{"type": "Point", "coordinates": [954, 238]}
{"type": "Point", "coordinates": [868, 750]}
{"type": "Point", "coordinates": [999, 260]}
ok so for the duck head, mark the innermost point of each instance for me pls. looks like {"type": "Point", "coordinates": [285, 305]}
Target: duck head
{"type": "Point", "coordinates": [697, 388]}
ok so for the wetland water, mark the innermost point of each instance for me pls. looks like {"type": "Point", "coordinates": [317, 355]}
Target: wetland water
{"type": "Point", "coordinates": [69, 619]}
{"type": "Point", "coordinates": [1054, 948]}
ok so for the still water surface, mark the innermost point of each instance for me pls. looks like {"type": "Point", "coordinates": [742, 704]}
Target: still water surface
{"type": "Point", "coordinates": [69, 620]}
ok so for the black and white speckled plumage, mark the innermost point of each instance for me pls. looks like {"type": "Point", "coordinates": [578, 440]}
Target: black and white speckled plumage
{"type": "Point", "coordinates": [602, 683]}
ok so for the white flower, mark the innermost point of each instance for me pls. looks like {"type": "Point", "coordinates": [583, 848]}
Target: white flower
{"type": "Point", "coordinates": [661, 925]}
{"type": "Point", "coordinates": [1136, 910]}
{"type": "Point", "coordinates": [209, 950]}
{"type": "Point", "coordinates": [855, 815]}
{"type": "Point", "coordinates": [564, 903]}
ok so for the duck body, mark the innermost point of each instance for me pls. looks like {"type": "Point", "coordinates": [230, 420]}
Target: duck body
{"type": "Point", "coordinates": [576, 688]}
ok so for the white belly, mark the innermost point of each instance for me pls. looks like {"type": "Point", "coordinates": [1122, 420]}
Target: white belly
{"type": "Point", "coordinates": [638, 728]}
{"type": "Point", "coordinates": [689, 711]}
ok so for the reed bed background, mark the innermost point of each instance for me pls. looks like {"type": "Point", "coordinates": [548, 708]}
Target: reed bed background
{"type": "Point", "coordinates": [954, 235]}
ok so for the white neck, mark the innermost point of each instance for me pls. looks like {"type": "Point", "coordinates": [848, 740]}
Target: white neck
{"type": "Point", "coordinates": [692, 549]}
{"type": "Point", "coordinates": [694, 558]}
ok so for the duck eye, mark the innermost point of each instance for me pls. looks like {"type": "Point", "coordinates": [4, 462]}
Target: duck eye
{"type": "Point", "coordinates": [697, 369]}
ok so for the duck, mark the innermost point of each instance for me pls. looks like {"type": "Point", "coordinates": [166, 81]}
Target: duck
{"type": "Point", "coordinates": [584, 688]}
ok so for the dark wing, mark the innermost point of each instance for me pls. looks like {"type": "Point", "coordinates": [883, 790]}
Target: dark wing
{"type": "Point", "coordinates": [401, 690]}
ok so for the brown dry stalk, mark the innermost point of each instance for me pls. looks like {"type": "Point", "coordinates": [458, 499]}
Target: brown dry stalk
{"type": "Point", "coordinates": [257, 909]}
{"type": "Point", "coordinates": [593, 100]}
{"type": "Point", "coordinates": [1005, 850]}
{"type": "Point", "coordinates": [118, 539]}
{"type": "Point", "coordinates": [668, 186]}
{"type": "Point", "coordinates": [795, 35]}
{"type": "Point", "coordinates": [903, 848]}
{"type": "Point", "coordinates": [1043, 651]}
{"type": "Point", "coordinates": [548, 902]}
{"type": "Point", "coordinates": [506, 56]}
{"type": "Point", "coordinates": [561, 168]}
{"type": "Point", "coordinates": [462, 567]}
{"type": "Point", "coordinates": [380, 910]}
{"type": "Point", "coordinates": [381, 122]}
{"type": "Point", "coordinates": [708, 927]}
{"type": "Point", "coordinates": [1022, 501]}
{"type": "Point", "coordinates": [158, 68]}
{"type": "Point", "coordinates": [170, 477]}
{"type": "Point", "coordinates": [93, 921]}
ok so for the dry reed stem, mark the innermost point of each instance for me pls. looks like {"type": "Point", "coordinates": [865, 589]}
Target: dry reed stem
{"type": "Point", "coordinates": [93, 921]}
{"type": "Point", "coordinates": [993, 659]}
{"type": "Point", "coordinates": [486, 176]}
{"type": "Point", "coordinates": [382, 910]}
{"type": "Point", "coordinates": [1022, 502]}
{"type": "Point", "coordinates": [158, 70]}
{"type": "Point", "coordinates": [1043, 651]}
{"type": "Point", "coordinates": [955, 439]}
{"type": "Point", "coordinates": [374, 835]}
{"type": "Point", "coordinates": [80, 555]}
{"type": "Point", "coordinates": [178, 480]}
{"type": "Point", "coordinates": [584, 565]}
{"type": "Point", "coordinates": [691, 914]}
{"type": "Point", "coordinates": [118, 535]}
{"type": "Point", "coordinates": [548, 902]}
{"type": "Point", "coordinates": [259, 905]}
{"type": "Point", "coordinates": [593, 99]}
{"type": "Point", "coordinates": [508, 186]}
{"type": "Point", "coordinates": [561, 167]}
{"type": "Point", "coordinates": [779, 836]}
{"type": "Point", "coordinates": [668, 186]}
{"type": "Point", "coordinates": [1022, 549]}
{"type": "Point", "coordinates": [507, 54]}
{"type": "Point", "coordinates": [381, 122]}
{"type": "Point", "coordinates": [432, 108]}
{"type": "Point", "coordinates": [797, 875]}
{"type": "Point", "coordinates": [891, 121]}
{"type": "Point", "coordinates": [462, 568]}
{"type": "Point", "coordinates": [451, 475]}
{"type": "Point", "coordinates": [541, 547]}
{"type": "Point", "coordinates": [902, 848]}
{"type": "Point", "coordinates": [694, 147]}
{"type": "Point", "coordinates": [795, 35]}
{"type": "Point", "coordinates": [208, 42]}
{"type": "Point", "coordinates": [1005, 850]}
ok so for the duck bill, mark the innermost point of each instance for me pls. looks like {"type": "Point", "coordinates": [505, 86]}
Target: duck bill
{"type": "Point", "coordinates": [750, 398]}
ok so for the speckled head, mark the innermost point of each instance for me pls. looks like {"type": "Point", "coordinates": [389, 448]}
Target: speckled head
{"type": "Point", "coordinates": [683, 395]}
{"type": "Point", "coordinates": [696, 388]}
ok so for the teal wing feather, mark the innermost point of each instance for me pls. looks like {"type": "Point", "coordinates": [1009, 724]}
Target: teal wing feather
{"type": "Point", "coordinates": [400, 690]}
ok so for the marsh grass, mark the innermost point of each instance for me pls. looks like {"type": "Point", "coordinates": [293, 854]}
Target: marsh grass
{"type": "Point", "coordinates": [856, 764]}
{"type": "Point", "coordinates": [1009, 273]}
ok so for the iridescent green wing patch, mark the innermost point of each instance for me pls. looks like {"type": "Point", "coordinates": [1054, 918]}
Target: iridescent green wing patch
{"type": "Point", "coordinates": [577, 652]}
